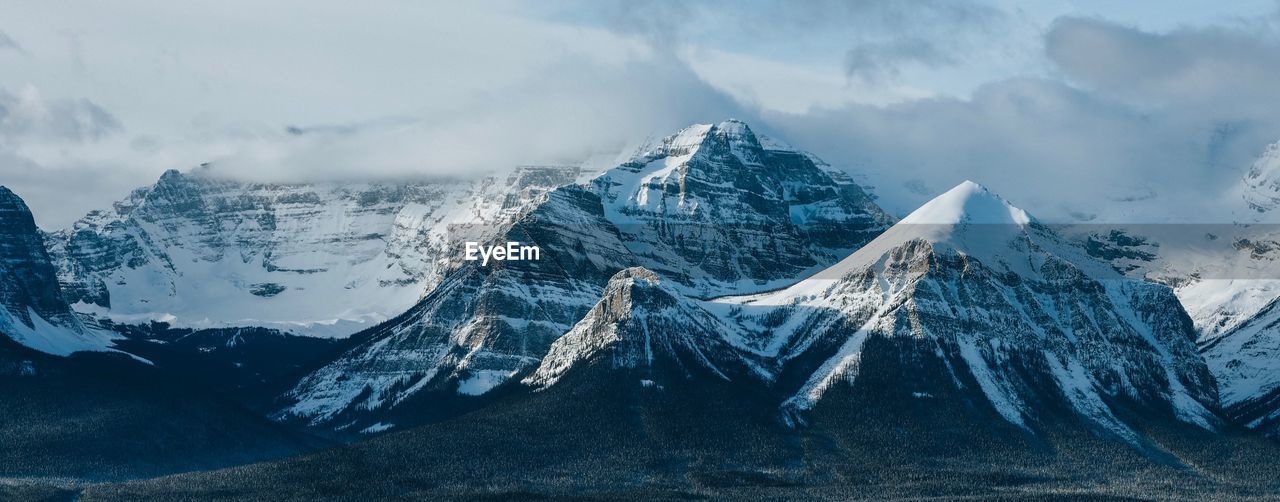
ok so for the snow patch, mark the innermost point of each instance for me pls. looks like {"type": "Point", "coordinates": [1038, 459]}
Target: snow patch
{"type": "Point", "coordinates": [55, 339]}
{"type": "Point", "coordinates": [376, 428]}
{"type": "Point", "coordinates": [483, 381]}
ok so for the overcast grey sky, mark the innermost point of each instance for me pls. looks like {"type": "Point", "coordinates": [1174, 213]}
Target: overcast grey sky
{"type": "Point", "coordinates": [1122, 111]}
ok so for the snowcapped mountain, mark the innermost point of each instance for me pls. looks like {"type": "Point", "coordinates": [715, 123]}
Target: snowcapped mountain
{"type": "Point", "coordinates": [324, 259]}
{"type": "Point", "coordinates": [482, 325]}
{"type": "Point", "coordinates": [970, 296]}
{"type": "Point", "coordinates": [705, 229]}
{"type": "Point", "coordinates": [640, 322]}
{"type": "Point", "coordinates": [1227, 278]}
{"type": "Point", "coordinates": [719, 211]}
{"type": "Point", "coordinates": [1261, 185]}
{"type": "Point", "coordinates": [32, 309]}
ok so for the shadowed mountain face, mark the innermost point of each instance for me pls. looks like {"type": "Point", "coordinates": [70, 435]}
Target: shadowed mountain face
{"type": "Point", "coordinates": [32, 309]}
{"type": "Point", "coordinates": [105, 416]}
{"type": "Point", "coordinates": [30, 281]}
{"type": "Point", "coordinates": [667, 428]}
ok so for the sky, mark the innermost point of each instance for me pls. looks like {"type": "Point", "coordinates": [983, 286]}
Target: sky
{"type": "Point", "coordinates": [1129, 112]}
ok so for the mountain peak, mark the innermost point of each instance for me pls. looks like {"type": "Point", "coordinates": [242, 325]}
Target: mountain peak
{"type": "Point", "coordinates": [735, 127]}
{"type": "Point", "coordinates": [634, 275]}
{"type": "Point", "coordinates": [10, 201]}
{"type": "Point", "coordinates": [732, 134]}
{"type": "Point", "coordinates": [973, 221]}
{"type": "Point", "coordinates": [170, 174]}
{"type": "Point", "coordinates": [968, 202]}
{"type": "Point", "coordinates": [633, 326]}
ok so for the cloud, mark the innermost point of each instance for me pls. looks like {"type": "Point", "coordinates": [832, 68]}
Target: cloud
{"type": "Point", "coordinates": [1132, 126]}
{"type": "Point", "coordinates": [28, 114]}
{"type": "Point", "coordinates": [1108, 120]}
{"type": "Point", "coordinates": [574, 112]}
{"type": "Point", "coordinates": [883, 35]}
{"type": "Point", "coordinates": [390, 91]}
{"type": "Point", "coordinates": [1233, 67]}
{"type": "Point", "coordinates": [557, 95]}
{"type": "Point", "coordinates": [881, 62]}
{"type": "Point", "coordinates": [7, 42]}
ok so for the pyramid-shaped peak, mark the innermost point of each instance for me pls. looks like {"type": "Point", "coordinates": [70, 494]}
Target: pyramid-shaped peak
{"type": "Point", "coordinates": [968, 202]}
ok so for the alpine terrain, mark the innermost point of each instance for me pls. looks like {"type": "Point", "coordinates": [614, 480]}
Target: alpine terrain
{"type": "Point", "coordinates": [320, 259]}
{"type": "Point", "coordinates": [719, 315]}
{"type": "Point", "coordinates": [76, 407]}
{"type": "Point", "coordinates": [965, 341]}
{"type": "Point", "coordinates": [1227, 277]}
{"type": "Point", "coordinates": [713, 206]}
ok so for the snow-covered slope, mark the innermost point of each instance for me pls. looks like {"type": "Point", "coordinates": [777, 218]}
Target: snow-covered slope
{"type": "Point", "coordinates": [642, 323]}
{"type": "Point", "coordinates": [32, 309]}
{"type": "Point", "coordinates": [1261, 185]}
{"type": "Point", "coordinates": [716, 211]}
{"type": "Point", "coordinates": [1246, 362]}
{"type": "Point", "coordinates": [481, 326]}
{"type": "Point", "coordinates": [322, 259]}
{"type": "Point", "coordinates": [1015, 314]}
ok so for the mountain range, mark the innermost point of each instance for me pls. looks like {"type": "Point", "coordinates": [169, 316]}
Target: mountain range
{"type": "Point", "coordinates": [721, 314]}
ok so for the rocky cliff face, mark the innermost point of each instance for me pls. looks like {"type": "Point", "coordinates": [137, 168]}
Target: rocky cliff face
{"type": "Point", "coordinates": [319, 259]}
{"type": "Point", "coordinates": [33, 311]}
{"type": "Point", "coordinates": [642, 324]}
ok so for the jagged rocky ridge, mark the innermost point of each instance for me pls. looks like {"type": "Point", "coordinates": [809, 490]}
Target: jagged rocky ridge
{"type": "Point", "coordinates": [485, 325]}
{"type": "Point", "coordinates": [326, 259]}
{"type": "Point", "coordinates": [33, 311]}
{"type": "Point", "coordinates": [642, 323]}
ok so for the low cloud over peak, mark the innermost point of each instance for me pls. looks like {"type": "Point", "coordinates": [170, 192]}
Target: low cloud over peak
{"type": "Point", "coordinates": [1077, 115]}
